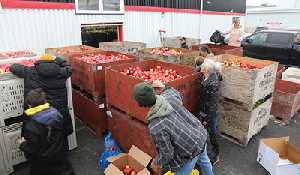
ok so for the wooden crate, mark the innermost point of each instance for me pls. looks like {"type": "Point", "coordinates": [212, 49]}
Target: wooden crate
{"type": "Point", "coordinates": [240, 125]}
{"type": "Point", "coordinates": [119, 87]}
{"type": "Point", "coordinates": [130, 132]}
{"type": "Point", "coordinates": [187, 58]}
{"type": "Point", "coordinates": [91, 113]}
{"type": "Point", "coordinates": [286, 102]}
{"type": "Point", "coordinates": [176, 43]}
{"type": "Point", "coordinates": [247, 86]}
{"type": "Point", "coordinates": [65, 52]}
{"type": "Point", "coordinates": [90, 77]}
{"type": "Point", "coordinates": [221, 49]}
{"type": "Point", "coordinates": [126, 47]}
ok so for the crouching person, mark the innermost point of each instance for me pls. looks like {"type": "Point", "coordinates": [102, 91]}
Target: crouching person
{"type": "Point", "coordinates": [179, 137]}
{"type": "Point", "coordinates": [43, 137]}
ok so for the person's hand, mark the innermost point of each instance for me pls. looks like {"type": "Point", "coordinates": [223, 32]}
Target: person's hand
{"type": "Point", "coordinates": [204, 124]}
{"type": "Point", "coordinates": [21, 140]}
{"type": "Point", "coordinates": [155, 168]}
{"type": "Point", "coordinates": [157, 84]}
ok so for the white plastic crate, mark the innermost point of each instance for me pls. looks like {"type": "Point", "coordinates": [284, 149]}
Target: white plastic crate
{"type": "Point", "coordinates": [6, 167]}
{"type": "Point", "coordinates": [11, 96]}
{"type": "Point", "coordinates": [12, 133]}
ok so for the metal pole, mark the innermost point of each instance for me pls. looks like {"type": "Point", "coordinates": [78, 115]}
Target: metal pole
{"type": "Point", "coordinates": [201, 14]}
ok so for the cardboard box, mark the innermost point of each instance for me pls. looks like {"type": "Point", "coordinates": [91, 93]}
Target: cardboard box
{"type": "Point", "coordinates": [136, 159]}
{"type": "Point", "coordinates": [279, 157]}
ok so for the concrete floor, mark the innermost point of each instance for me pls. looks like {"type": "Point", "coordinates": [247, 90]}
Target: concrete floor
{"type": "Point", "coordinates": [235, 160]}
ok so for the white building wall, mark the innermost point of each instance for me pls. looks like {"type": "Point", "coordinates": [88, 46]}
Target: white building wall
{"type": "Point", "coordinates": [285, 18]}
{"type": "Point", "coordinates": [144, 26]}
{"type": "Point", "coordinates": [36, 30]}
{"type": "Point", "coordinates": [39, 29]}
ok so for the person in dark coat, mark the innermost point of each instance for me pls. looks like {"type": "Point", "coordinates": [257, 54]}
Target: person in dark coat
{"type": "Point", "coordinates": [209, 103]}
{"type": "Point", "coordinates": [43, 138]}
{"type": "Point", "coordinates": [183, 43]}
{"type": "Point", "coordinates": [179, 137]}
{"type": "Point", "coordinates": [50, 74]}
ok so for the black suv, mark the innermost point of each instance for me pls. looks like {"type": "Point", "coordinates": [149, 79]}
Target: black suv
{"type": "Point", "coordinates": [277, 45]}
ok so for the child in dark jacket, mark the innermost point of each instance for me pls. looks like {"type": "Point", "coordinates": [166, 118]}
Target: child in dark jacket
{"type": "Point", "coordinates": [43, 137]}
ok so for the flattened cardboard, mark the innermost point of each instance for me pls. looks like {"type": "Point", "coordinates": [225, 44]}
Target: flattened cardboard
{"type": "Point", "coordinates": [279, 157]}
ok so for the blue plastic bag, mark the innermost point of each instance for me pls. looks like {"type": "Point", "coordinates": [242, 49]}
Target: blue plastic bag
{"type": "Point", "coordinates": [111, 148]}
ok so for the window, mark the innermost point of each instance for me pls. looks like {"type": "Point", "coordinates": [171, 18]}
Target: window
{"type": "Point", "coordinates": [259, 38]}
{"type": "Point", "coordinates": [99, 6]}
{"type": "Point", "coordinates": [279, 38]}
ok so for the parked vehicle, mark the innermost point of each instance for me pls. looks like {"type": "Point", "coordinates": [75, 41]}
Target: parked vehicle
{"type": "Point", "coordinates": [277, 45]}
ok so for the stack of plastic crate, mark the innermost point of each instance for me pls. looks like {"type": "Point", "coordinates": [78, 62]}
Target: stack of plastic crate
{"type": "Point", "coordinates": [11, 105]}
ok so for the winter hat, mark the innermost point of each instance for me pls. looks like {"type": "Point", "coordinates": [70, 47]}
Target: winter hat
{"type": "Point", "coordinates": [144, 94]}
{"type": "Point", "coordinates": [47, 57]}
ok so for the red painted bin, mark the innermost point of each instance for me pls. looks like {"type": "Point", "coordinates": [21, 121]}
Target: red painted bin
{"type": "Point", "coordinates": [119, 87]}
{"type": "Point", "coordinates": [90, 112]}
{"type": "Point", "coordinates": [286, 101]}
{"type": "Point", "coordinates": [222, 49]}
{"type": "Point", "coordinates": [90, 77]}
{"type": "Point", "coordinates": [130, 132]}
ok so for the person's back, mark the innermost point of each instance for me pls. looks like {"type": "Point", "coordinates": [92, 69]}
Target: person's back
{"type": "Point", "coordinates": [43, 137]}
{"type": "Point", "coordinates": [50, 75]}
{"type": "Point", "coordinates": [179, 137]}
{"type": "Point", "coordinates": [186, 131]}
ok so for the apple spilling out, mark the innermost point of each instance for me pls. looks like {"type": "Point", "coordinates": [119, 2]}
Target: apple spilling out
{"type": "Point", "coordinates": [128, 170]}
{"type": "Point", "coordinates": [102, 58]}
{"type": "Point", "coordinates": [238, 62]}
{"type": "Point", "coordinates": [157, 73]}
{"type": "Point", "coordinates": [166, 51]}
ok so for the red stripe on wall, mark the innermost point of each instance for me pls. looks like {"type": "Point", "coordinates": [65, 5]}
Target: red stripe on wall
{"type": "Point", "coordinates": [17, 4]}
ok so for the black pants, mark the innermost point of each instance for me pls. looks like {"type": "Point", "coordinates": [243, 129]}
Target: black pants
{"type": "Point", "coordinates": [58, 165]}
{"type": "Point", "coordinates": [213, 133]}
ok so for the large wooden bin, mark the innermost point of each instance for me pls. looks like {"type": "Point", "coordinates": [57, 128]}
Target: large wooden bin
{"type": "Point", "coordinates": [119, 87]}
{"type": "Point", "coordinates": [247, 86]}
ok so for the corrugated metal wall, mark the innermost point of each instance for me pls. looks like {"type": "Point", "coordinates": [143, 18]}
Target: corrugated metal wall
{"type": "Point", "coordinates": [39, 29]}
{"type": "Point", "coordinates": [144, 26]}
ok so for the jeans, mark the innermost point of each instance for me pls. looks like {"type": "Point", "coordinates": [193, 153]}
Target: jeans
{"type": "Point", "coordinates": [202, 160]}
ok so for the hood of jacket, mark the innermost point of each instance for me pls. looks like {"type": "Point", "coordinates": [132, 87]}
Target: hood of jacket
{"type": "Point", "coordinates": [44, 114]}
{"type": "Point", "coordinates": [47, 68]}
{"type": "Point", "coordinates": [161, 108]}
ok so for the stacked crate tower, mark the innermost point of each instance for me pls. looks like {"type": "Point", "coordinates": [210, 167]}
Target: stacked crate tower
{"type": "Point", "coordinates": [88, 82]}
{"type": "Point", "coordinates": [246, 97]}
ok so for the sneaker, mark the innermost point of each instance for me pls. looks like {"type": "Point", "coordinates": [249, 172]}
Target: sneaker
{"type": "Point", "coordinates": [215, 160]}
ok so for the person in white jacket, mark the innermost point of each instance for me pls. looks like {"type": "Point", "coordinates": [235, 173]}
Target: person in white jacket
{"type": "Point", "coordinates": [235, 34]}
